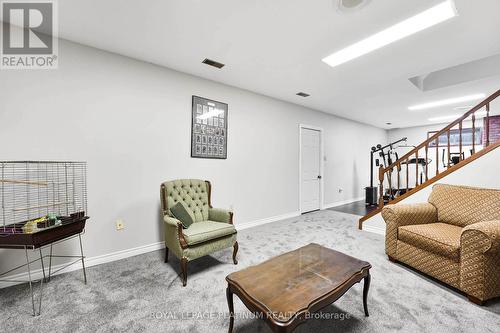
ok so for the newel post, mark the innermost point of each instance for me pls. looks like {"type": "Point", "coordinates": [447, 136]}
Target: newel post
{"type": "Point", "coordinates": [381, 187]}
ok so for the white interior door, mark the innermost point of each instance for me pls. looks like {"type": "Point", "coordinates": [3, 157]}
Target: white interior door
{"type": "Point", "coordinates": [310, 161]}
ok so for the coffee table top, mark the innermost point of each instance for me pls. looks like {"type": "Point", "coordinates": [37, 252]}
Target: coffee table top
{"type": "Point", "coordinates": [295, 281]}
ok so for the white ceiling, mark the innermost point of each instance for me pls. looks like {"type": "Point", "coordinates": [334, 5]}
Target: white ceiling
{"type": "Point", "coordinates": [275, 48]}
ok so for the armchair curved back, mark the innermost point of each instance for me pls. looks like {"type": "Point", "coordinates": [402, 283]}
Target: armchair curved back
{"type": "Point", "coordinates": [465, 205]}
{"type": "Point", "coordinates": [195, 193]}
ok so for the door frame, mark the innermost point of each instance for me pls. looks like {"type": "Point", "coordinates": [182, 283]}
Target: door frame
{"type": "Point", "coordinates": [321, 164]}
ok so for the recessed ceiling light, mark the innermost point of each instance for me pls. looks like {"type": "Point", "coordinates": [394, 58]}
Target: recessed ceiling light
{"type": "Point", "coordinates": [213, 63]}
{"type": "Point", "coordinates": [456, 116]}
{"type": "Point", "coordinates": [446, 102]}
{"type": "Point", "coordinates": [351, 5]}
{"type": "Point", "coordinates": [302, 94]}
{"type": "Point", "coordinates": [426, 19]}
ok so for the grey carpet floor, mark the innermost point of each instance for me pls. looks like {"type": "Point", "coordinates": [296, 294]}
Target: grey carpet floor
{"type": "Point", "coordinates": [143, 294]}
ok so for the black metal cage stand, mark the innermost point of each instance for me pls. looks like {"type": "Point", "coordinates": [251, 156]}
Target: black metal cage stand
{"type": "Point", "coordinates": [46, 276]}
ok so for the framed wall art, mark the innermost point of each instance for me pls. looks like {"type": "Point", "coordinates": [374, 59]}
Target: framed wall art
{"type": "Point", "coordinates": [208, 128]}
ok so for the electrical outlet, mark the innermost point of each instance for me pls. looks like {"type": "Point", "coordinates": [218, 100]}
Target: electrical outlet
{"type": "Point", "coordinates": [120, 225]}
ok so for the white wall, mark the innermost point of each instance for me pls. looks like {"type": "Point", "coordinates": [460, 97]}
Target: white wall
{"type": "Point", "coordinates": [131, 122]}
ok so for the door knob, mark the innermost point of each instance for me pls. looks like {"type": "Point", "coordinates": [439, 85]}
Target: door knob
{"type": "Point", "coordinates": [319, 177]}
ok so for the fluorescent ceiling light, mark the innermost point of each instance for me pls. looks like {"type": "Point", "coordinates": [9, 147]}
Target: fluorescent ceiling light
{"type": "Point", "coordinates": [446, 102]}
{"type": "Point", "coordinates": [456, 116]}
{"type": "Point", "coordinates": [468, 107]}
{"type": "Point", "coordinates": [426, 19]}
{"type": "Point", "coordinates": [210, 114]}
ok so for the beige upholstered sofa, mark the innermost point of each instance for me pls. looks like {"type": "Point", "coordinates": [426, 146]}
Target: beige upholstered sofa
{"type": "Point", "coordinates": [455, 238]}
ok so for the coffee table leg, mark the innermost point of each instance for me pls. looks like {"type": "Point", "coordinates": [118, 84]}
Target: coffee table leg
{"type": "Point", "coordinates": [229, 296]}
{"type": "Point", "coordinates": [365, 293]}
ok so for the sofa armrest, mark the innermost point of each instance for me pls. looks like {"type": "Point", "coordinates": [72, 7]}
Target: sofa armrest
{"type": "Point", "coordinates": [174, 234]}
{"type": "Point", "coordinates": [396, 216]}
{"type": "Point", "coordinates": [480, 260]}
{"type": "Point", "coordinates": [220, 215]}
{"type": "Point", "coordinates": [483, 236]}
{"type": "Point", "coordinates": [421, 213]}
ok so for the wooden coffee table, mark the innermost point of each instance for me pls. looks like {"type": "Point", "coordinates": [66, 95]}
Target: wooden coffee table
{"type": "Point", "coordinates": [286, 289]}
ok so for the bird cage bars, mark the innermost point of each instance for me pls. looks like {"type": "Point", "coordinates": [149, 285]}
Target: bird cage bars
{"type": "Point", "coordinates": [36, 191]}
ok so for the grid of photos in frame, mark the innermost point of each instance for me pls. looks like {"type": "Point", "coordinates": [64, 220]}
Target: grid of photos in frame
{"type": "Point", "coordinates": [209, 128]}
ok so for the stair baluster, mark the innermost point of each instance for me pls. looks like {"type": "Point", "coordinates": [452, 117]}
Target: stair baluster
{"type": "Point", "coordinates": [449, 150]}
{"type": "Point", "coordinates": [460, 141]}
{"type": "Point", "coordinates": [437, 156]}
{"type": "Point", "coordinates": [426, 164]}
{"type": "Point", "coordinates": [487, 125]}
{"type": "Point", "coordinates": [416, 168]}
{"type": "Point", "coordinates": [473, 133]}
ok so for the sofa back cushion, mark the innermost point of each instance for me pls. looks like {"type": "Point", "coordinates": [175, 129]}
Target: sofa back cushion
{"type": "Point", "coordinates": [463, 205]}
{"type": "Point", "coordinates": [193, 192]}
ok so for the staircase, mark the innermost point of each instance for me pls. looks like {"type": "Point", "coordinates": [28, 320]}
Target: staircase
{"type": "Point", "coordinates": [393, 188]}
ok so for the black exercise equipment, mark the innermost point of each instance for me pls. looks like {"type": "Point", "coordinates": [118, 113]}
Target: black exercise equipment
{"type": "Point", "coordinates": [371, 196]}
{"type": "Point", "coordinates": [420, 161]}
{"type": "Point", "coordinates": [454, 158]}
{"type": "Point", "coordinates": [371, 192]}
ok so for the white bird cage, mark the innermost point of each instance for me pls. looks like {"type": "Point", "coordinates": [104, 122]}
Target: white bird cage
{"type": "Point", "coordinates": [32, 190]}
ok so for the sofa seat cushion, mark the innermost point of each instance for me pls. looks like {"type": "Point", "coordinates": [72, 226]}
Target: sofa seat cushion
{"type": "Point", "coordinates": [200, 232]}
{"type": "Point", "coordinates": [439, 238]}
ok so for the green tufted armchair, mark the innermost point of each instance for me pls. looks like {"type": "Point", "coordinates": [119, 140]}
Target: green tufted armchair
{"type": "Point", "coordinates": [212, 230]}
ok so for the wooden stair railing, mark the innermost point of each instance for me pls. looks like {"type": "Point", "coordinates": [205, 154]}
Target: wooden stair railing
{"type": "Point", "coordinates": [386, 174]}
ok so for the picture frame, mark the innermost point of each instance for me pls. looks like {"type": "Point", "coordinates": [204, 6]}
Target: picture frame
{"type": "Point", "coordinates": [209, 123]}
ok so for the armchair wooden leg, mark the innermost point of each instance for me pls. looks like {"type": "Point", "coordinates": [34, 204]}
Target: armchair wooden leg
{"type": "Point", "coordinates": [184, 263]}
{"type": "Point", "coordinates": [235, 251]}
{"type": "Point", "coordinates": [475, 300]}
{"type": "Point", "coordinates": [166, 254]}
{"type": "Point", "coordinates": [392, 259]}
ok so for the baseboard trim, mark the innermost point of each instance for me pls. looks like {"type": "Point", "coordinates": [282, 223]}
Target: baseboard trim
{"type": "Point", "coordinates": [340, 203]}
{"type": "Point", "coordinates": [114, 256]}
{"type": "Point", "coordinates": [89, 262]}
{"type": "Point", "coordinates": [251, 224]}
{"type": "Point", "coordinates": [374, 229]}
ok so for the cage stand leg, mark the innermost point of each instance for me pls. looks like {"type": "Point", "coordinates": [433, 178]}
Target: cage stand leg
{"type": "Point", "coordinates": [41, 283]}
{"type": "Point", "coordinates": [41, 296]}
{"type": "Point", "coordinates": [83, 259]}
{"type": "Point", "coordinates": [50, 261]}
{"type": "Point", "coordinates": [43, 266]}
{"type": "Point", "coordinates": [31, 286]}
{"type": "Point", "coordinates": [29, 277]}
